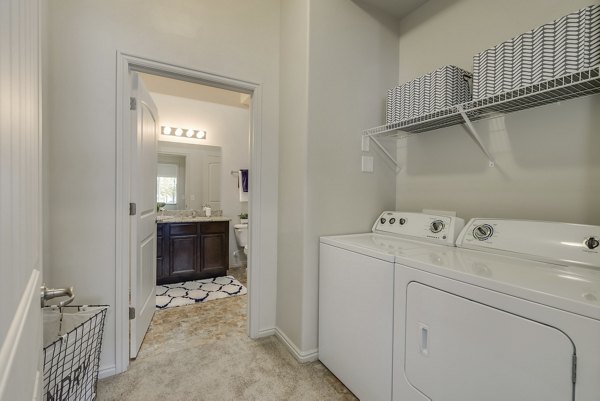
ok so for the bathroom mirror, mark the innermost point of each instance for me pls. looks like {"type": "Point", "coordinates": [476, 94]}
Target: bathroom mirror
{"type": "Point", "coordinates": [189, 176]}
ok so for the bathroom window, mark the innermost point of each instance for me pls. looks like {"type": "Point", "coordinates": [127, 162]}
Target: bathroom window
{"type": "Point", "coordinates": [166, 183]}
{"type": "Point", "coordinates": [170, 181]}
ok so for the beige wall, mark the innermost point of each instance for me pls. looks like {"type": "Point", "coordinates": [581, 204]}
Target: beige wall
{"type": "Point", "coordinates": [337, 62]}
{"type": "Point", "coordinates": [353, 61]}
{"type": "Point", "coordinates": [292, 166]}
{"type": "Point", "coordinates": [228, 37]}
{"type": "Point", "coordinates": [547, 166]}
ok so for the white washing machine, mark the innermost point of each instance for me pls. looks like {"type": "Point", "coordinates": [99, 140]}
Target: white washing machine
{"type": "Point", "coordinates": [511, 314]}
{"type": "Point", "coordinates": [356, 296]}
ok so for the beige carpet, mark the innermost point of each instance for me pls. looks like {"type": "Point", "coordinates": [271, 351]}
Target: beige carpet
{"type": "Point", "coordinates": [201, 352]}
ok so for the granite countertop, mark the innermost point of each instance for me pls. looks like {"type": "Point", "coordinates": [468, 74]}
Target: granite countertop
{"type": "Point", "coordinates": [188, 216]}
{"type": "Point", "coordinates": [189, 219]}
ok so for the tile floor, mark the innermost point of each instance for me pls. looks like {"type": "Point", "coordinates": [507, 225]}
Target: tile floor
{"type": "Point", "coordinates": [201, 352]}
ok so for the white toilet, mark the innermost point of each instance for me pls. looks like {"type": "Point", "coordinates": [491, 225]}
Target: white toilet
{"type": "Point", "coordinates": [241, 236]}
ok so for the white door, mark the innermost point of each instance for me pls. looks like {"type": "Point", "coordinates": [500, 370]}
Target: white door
{"type": "Point", "coordinates": [143, 223]}
{"type": "Point", "coordinates": [212, 180]}
{"type": "Point", "coordinates": [20, 200]}
{"type": "Point", "coordinates": [461, 350]}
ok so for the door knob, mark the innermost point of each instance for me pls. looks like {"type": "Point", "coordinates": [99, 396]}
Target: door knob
{"type": "Point", "coordinates": [51, 293]}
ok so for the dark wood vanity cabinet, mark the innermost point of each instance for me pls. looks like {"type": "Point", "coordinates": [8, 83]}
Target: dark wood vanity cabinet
{"type": "Point", "coordinates": [191, 251]}
{"type": "Point", "coordinates": [159, 251]}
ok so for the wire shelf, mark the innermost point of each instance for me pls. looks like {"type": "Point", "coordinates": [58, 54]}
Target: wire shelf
{"type": "Point", "coordinates": [578, 84]}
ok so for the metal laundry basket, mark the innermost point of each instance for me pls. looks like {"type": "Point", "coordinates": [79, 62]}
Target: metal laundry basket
{"type": "Point", "coordinates": [72, 344]}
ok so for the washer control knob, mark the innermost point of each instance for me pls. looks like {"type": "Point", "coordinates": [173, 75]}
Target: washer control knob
{"type": "Point", "coordinates": [402, 221]}
{"type": "Point", "coordinates": [382, 220]}
{"type": "Point", "coordinates": [592, 243]}
{"type": "Point", "coordinates": [483, 232]}
{"type": "Point", "coordinates": [436, 226]}
{"type": "Point", "coordinates": [392, 220]}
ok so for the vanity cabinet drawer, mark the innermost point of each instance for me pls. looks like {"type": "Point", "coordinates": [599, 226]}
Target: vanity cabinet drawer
{"type": "Point", "coordinates": [214, 227]}
{"type": "Point", "coordinates": [183, 228]}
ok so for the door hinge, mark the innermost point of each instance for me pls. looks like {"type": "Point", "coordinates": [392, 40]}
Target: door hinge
{"type": "Point", "coordinates": [131, 313]}
{"type": "Point", "coordinates": [132, 209]}
{"type": "Point", "coordinates": [132, 103]}
{"type": "Point", "coordinates": [574, 369]}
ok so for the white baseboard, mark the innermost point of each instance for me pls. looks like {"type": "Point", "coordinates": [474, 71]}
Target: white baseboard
{"type": "Point", "coordinates": [107, 371]}
{"type": "Point", "coordinates": [265, 333]}
{"type": "Point", "coordinates": [301, 356]}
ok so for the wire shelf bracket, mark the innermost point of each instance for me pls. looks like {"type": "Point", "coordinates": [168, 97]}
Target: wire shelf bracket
{"type": "Point", "coordinates": [385, 152]}
{"type": "Point", "coordinates": [470, 129]}
{"type": "Point", "coordinates": [474, 135]}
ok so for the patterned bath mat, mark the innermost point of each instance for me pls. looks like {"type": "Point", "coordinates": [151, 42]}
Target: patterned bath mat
{"type": "Point", "coordinates": [190, 292]}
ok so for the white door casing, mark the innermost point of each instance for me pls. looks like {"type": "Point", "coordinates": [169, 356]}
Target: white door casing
{"type": "Point", "coordinates": [21, 200]}
{"type": "Point", "coordinates": [145, 130]}
{"type": "Point", "coordinates": [125, 64]}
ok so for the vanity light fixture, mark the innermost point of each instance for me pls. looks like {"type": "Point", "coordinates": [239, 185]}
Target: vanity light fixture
{"type": "Point", "coordinates": [189, 132]}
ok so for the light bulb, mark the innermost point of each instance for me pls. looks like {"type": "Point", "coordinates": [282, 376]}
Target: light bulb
{"type": "Point", "coordinates": [166, 130]}
{"type": "Point", "coordinates": [189, 133]}
{"type": "Point", "coordinates": [178, 131]}
{"type": "Point", "coordinates": [201, 135]}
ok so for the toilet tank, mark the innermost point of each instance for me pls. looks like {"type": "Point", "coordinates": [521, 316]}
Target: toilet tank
{"type": "Point", "coordinates": [241, 234]}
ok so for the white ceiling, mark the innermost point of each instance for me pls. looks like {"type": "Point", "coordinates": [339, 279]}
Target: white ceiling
{"type": "Point", "coordinates": [398, 8]}
{"type": "Point", "coordinates": [174, 87]}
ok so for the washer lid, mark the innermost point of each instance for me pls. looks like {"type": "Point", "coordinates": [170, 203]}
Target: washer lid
{"type": "Point", "coordinates": [376, 245]}
{"type": "Point", "coordinates": [571, 288]}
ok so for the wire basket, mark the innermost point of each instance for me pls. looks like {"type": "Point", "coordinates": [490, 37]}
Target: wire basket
{"type": "Point", "coordinates": [72, 344]}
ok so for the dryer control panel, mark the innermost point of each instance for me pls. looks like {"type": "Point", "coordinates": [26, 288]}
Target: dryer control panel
{"type": "Point", "coordinates": [538, 240]}
{"type": "Point", "coordinates": [420, 226]}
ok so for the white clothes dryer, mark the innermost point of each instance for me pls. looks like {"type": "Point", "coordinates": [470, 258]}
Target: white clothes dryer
{"type": "Point", "coordinates": [356, 295]}
{"type": "Point", "coordinates": [512, 313]}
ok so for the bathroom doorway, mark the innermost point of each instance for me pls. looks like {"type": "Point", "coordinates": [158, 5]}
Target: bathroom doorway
{"type": "Point", "coordinates": [247, 92]}
{"type": "Point", "coordinates": [200, 174]}
{"type": "Point", "coordinates": [201, 254]}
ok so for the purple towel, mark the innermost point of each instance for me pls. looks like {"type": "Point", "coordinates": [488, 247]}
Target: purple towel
{"type": "Point", "coordinates": [244, 180]}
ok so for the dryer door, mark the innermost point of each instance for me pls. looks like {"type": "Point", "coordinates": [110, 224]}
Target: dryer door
{"type": "Point", "coordinates": [461, 350]}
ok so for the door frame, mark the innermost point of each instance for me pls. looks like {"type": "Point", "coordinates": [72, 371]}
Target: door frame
{"type": "Point", "coordinates": [125, 64]}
